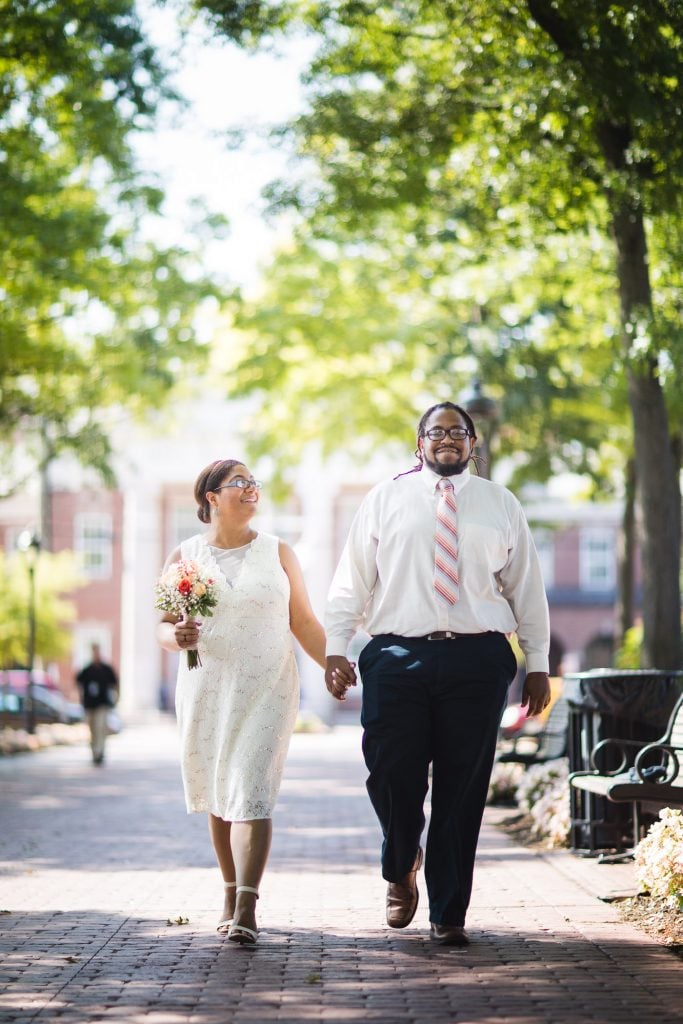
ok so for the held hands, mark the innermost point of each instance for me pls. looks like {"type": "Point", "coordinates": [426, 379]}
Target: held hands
{"type": "Point", "coordinates": [339, 675]}
{"type": "Point", "coordinates": [536, 693]}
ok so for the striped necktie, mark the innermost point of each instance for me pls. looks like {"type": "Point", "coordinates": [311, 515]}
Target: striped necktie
{"type": "Point", "coordinates": [446, 582]}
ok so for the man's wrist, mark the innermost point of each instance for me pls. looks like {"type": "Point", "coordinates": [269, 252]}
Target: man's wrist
{"type": "Point", "coordinates": [537, 663]}
{"type": "Point", "coordinates": [336, 647]}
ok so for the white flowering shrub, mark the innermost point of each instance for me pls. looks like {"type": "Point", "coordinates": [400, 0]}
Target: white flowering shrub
{"type": "Point", "coordinates": [505, 778]}
{"type": "Point", "coordinates": [543, 793]}
{"type": "Point", "coordinates": [659, 858]}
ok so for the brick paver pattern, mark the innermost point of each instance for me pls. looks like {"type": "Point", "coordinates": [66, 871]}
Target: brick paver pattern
{"type": "Point", "coordinates": [95, 863]}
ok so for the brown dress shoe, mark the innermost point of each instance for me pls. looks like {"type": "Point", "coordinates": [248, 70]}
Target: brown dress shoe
{"type": "Point", "coordinates": [402, 897]}
{"type": "Point", "coordinates": [448, 934]}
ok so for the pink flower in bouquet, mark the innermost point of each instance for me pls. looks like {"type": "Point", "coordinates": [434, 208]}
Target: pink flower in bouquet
{"type": "Point", "coordinates": [186, 590]}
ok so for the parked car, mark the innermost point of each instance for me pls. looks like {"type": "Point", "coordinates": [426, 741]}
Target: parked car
{"type": "Point", "coordinates": [17, 679]}
{"type": "Point", "coordinates": [49, 706]}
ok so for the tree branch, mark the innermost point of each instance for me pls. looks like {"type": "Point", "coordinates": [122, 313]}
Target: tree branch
{"type": "Point", "coordinates": [561, 31]}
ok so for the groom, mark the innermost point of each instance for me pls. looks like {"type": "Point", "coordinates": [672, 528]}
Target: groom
{"type": "Point", "coordinates": [439, 568]}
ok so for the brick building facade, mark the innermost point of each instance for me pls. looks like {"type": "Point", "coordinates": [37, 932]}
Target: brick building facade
{"type": "Point", "coordinates": [122, 537]}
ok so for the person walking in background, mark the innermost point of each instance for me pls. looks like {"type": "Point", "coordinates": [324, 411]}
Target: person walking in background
{"type": "Point", "coordinates": [99, 689]}
{"type": "Point", "coordinates": [439, 567]}
{"type": "Point", "coordinates": [236, 710]}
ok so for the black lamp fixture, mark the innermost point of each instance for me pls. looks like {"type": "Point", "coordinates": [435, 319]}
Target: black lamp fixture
{"type": "Point", "coordinates": [478, 404]}
{"type": "Point", "coordinates": [485, 412]}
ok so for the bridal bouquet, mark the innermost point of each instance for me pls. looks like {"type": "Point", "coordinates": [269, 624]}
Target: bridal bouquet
{"type": "Point", "coordinates": [185, 590]}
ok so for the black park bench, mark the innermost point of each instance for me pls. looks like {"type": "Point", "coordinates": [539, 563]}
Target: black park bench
{"type": "Point", "coordinates": [549, 743]}
{"type": "Point", "coordinates": [646, 773]}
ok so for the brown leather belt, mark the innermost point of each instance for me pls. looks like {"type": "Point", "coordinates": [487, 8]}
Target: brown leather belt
{"type": "Point", "coordinates": [447, 634]}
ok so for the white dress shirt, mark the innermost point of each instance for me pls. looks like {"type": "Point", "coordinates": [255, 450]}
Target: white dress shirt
{"type": "Point", "coordinates": [384, 580]}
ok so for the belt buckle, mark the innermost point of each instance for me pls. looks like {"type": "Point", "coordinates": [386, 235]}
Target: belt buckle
{"type": "Point", "coordinates": [446, 634]}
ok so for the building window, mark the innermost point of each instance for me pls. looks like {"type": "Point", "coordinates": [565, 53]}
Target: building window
{"type": "Point", "coordinates": [184, 524]}
{"type": "Point", "coordinates": [94, 544]}
{"type": "Point", "coordinates": [544, 542]}
{"type": "Point", "coordinates": [597, 559]}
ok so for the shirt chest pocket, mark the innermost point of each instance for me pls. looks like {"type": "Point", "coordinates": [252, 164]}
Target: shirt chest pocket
{"type": "Point", "coordinates": [482, 544]}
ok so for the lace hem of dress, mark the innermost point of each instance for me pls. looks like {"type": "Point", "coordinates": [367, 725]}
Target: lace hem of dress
{"type": "Point", "coordinates": [253, 810]}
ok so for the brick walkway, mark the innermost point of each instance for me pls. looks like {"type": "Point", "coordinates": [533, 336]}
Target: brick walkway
{"type": "Point", "coordinates": [94, 863]}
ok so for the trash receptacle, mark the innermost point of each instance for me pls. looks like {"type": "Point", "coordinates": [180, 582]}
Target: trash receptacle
{"type": "Point", "coordinates": [629, 704]}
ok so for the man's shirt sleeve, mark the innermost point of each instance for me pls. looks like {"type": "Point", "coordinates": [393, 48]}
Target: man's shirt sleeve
{"type": "Point", "coordinates": [354, 580]}
{"type": "Point", "coordinates": [522, 585]}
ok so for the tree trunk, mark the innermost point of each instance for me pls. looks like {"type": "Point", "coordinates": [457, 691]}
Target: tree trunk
{"type": "Point", "coordinates": [45, 508]}
{"type": "Point", "coordinates": [625, 616]}
{"type": "Point", "coordinates": [658, 485]}
{"type": "Point", "coordinates": [656, 461]}
{"type": "Point", "coordinates": [47, 458]}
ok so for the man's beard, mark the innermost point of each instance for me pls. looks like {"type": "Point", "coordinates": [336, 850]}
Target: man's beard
{"type": "Point", "coordinates": [446, 468]}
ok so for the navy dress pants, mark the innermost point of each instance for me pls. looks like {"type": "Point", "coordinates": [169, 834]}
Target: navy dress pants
{"type": "Point", "coordinates": [439, 702]}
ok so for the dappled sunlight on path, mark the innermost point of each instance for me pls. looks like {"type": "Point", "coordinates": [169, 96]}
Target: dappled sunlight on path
{"type": "Point", "coordinates": [113, 898]}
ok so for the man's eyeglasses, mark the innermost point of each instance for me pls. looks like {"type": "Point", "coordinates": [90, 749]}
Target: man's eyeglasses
{"type": "Point", "coordinates": [243, 484]}
{"type": "Point", "coordinates": [455, 433]}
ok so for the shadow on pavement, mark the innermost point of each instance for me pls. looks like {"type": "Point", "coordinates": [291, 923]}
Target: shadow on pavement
{"type": "Point", "coordinates": [82, 967]}
{"type": "Point", "coordinates": [66, 814]}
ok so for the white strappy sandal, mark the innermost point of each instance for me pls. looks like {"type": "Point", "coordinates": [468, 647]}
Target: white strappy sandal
{"type": "Point", "coordinates": [223, 926]}
{"type": "Point", "coordinates": [239, 932]}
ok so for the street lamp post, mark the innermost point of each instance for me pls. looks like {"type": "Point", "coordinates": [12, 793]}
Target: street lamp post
{"type": "Point", "coordinates": [484, 411]}
{"type": "Point", "coordinates": [29, 544]}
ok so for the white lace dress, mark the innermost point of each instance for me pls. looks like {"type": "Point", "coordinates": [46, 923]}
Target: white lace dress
{"type": "Point", "coordinates": [236, 711]}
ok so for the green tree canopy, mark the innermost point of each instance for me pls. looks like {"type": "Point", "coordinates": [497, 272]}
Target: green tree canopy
{"type": "Point", "coordinates": [347, 345]}
{"type": "Point", "coordinates": [94, 314]}
{"type": "Point", "coordinates": [515, 123]}
{"type": "Point", "coordinates": [56, 576]}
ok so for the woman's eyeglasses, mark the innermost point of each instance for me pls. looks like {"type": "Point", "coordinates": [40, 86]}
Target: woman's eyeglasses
{"type": "Point", "coordinates": [242, 484]}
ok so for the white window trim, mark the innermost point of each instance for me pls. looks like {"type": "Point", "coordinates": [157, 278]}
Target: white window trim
{"type": "Point", "coordinates": [544, 541]}
{"type": "Point", "coordinates": [103, 546]}
{"type": "Point", "coordinates": [597, 548]}
{"type": "Point", "coordinates": [183, 524]}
